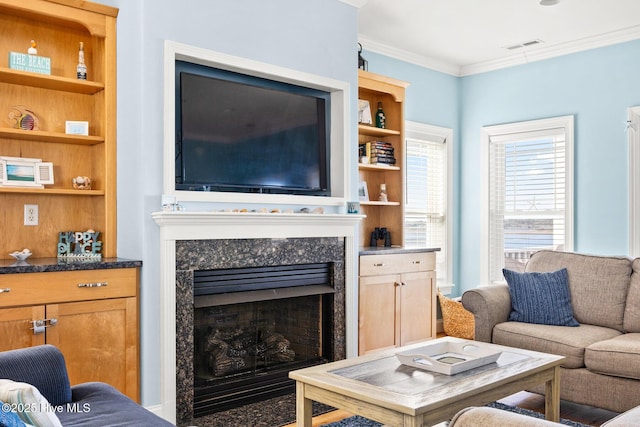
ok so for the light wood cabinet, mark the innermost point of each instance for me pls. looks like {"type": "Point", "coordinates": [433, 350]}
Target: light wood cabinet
{"type": "Point", "coordinates": [397, 300]}
{"type": "Point", "coordinates": [58, 27]}
{"type": "Point", "coordinates": [91, 316]}
{"type": "Point", "coordinates": [390, 93]}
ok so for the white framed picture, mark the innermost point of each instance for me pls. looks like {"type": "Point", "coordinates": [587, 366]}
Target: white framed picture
{"type": "Point", "coordinates": [363, 192]}
{"type": "Point", "coordinates": [76, 128]}
{"type": "Point", "coordinates": [25, 172]}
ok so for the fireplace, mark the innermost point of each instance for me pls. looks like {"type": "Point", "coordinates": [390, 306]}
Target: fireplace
{"type": "Point", "coordinates": [252, 326]}
{"type": "Point", "coordinates": [191, 241]}
{"type": "Point", "coordinates": [236, 301]}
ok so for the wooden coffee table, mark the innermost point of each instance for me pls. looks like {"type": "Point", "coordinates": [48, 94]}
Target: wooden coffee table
{"type": "Point", "coordinates": [378, 387]}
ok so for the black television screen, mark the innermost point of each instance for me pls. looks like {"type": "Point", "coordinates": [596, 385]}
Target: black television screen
{"type": "Point", "coordinates": [241, 133]}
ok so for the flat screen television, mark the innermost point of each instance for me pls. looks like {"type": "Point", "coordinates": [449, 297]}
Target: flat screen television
{"type": "Point", "coordinates": [242, 133]}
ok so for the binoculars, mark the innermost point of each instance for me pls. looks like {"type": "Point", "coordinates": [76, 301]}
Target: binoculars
{"type": "Point", "coordinates": [380, 233]}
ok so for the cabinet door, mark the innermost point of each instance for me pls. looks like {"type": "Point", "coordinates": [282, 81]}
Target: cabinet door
{"type": "Point", "coordinates": [416, 307]}
{"type": "Point", "coordinates": [377, 311]}
{"type": "Point", "coordinates": [99, 341]}
{"type": "Point", "coordinates": [16, 327]}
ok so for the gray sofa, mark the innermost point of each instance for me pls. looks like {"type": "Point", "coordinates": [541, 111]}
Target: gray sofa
{"type": "Point", "coordinates": [88, 404]}
{"type": "Point", "coordinates": [488, 417]}
{"type": "Point", "coordinates": [602, 366]}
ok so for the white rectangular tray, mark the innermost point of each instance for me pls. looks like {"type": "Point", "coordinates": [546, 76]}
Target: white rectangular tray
{"type": "Point", "coordinates": [450, 358]}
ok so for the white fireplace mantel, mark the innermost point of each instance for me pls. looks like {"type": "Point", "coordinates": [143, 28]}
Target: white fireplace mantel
{"type": "Point", "coordinates": [176, 226]}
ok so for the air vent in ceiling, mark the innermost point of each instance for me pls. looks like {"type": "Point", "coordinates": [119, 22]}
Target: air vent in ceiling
{"type": "Point", "coordinates": [525, 44]}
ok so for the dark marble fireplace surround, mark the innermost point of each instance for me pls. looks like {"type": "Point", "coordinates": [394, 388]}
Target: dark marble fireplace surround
{"type": "Point", "coordinates": [194, 255]}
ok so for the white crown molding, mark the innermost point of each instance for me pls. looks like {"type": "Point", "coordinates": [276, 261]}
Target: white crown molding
{"type": "Point", "coordinates": [404, 55]}
{"type": "Point", "coordinates": [355, 3]}
{"type": "Point", "coordinates": [539, 54]}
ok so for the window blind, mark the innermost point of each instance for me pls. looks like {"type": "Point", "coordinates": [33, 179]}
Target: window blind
{"type": "Point", "coordinates": [425, 209]}
{"type": "Point", "coordinates": [527, 197]}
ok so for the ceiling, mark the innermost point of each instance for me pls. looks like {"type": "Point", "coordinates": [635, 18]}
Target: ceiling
{"type": "Point", "coordinates": [463, 37]}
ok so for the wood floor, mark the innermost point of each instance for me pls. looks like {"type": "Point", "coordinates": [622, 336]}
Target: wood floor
{"type": "Point", "coordinates": [571, 411]}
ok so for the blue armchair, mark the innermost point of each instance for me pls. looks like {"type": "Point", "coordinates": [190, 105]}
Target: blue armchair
{"type": "Point", "coordinates": [87, 404]}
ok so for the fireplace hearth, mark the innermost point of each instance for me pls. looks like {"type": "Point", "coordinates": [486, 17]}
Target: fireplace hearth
{"type": "Point", "coordinates": [234, 350]}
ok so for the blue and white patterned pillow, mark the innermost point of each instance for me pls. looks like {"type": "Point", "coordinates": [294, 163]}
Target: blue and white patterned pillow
{"type": "Point", "coordinates": [541, 298]}
{"type": "Point", "coordinates": [9, 418]}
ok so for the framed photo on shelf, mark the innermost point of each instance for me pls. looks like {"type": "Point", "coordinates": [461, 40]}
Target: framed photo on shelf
{"type": "Point", "coordinates": [25, 172]}
{"type": "Point", "coordinates": [364, 112]}
{"type": "Point", "coordinates": [363, 192]}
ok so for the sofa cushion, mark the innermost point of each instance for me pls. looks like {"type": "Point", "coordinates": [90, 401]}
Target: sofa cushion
{"type": "Point", "coordinates": [617, 356]}
{"type": "Point", "coordinates": [632, 309]}
{"type": "Point", "coordinates": [99, 404]}
{"type": "Point", "coordinates": [42, 366]}
{"type": "Point", "coordinates": [31, 406]}
{"type": "Point", "coordinates": [630, 418]}
{"type": "Point", "coordinates": [566, 341]}
{"type": "Point", "coordinates": [594, 282]}
{"type": "Point", "coordinates": [541, 298]}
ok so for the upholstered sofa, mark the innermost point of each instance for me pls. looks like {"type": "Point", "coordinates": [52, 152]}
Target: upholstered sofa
{"type": "Point", "coordinates": [487, 417]}
{"type": "Point", "coordinates": [602, 366]}
{"type": "Point", "coordinates": [88, 404]}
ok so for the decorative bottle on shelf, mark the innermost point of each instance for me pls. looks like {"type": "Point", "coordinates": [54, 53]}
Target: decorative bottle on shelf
{"type": "Point", "coordinates": [380, 117]}
{"type": "Point", "coordinates": [82, 67]}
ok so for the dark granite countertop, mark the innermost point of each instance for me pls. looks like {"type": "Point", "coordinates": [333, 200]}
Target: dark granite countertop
{"type": "Point", "coordinates": [385, 250]}
{"type": "Point", "coordinates": [43, 265]}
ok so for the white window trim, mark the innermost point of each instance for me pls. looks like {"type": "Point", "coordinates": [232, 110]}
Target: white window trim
{"type": "Point", "coordinates": [422, 131]}
{"type": "Point", "coordinates": [633, 130]}
{"type": "Point", "coordinates": [486, 133]}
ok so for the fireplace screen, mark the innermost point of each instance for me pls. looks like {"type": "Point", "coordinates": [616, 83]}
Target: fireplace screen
{"type": "Point", "coordinates": [245, 350]}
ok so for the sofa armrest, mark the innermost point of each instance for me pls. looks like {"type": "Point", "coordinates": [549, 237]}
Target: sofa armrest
{"type": "Point", "coordinates": [41, 366]}
{"type": "Point", "coordinates": [490, 305]}
{"type": "Point", "coordinates": [483, 416]}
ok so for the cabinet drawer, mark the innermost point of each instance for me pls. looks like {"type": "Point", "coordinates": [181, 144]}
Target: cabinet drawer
{"type": "Point", "coordinates": [53, 287]}
{"type": "Point", "coordinates": [373, 265]}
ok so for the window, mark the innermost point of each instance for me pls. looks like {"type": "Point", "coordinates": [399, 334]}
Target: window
{"type": "Point", "coordinates": [428, 174]}
{"type": "Point", "coordinates": [633, 129]}
{"type": "Point", "coordinates": [527, 195]}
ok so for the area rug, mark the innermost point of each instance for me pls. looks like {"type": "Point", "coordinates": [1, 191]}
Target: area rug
{"type": "Point", "coordinates": [358, 421]}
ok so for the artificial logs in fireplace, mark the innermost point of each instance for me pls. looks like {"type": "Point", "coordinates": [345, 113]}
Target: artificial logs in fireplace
{"type": "Point", "coordinates": [271, 321]}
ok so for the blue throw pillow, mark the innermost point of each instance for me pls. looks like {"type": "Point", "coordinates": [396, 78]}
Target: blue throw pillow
{"type": "Point", "coordinates": [541, 298]}
{"type": "Point", "coordinates": [9, 418]}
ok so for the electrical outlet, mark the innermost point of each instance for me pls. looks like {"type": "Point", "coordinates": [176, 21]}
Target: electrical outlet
{"type": "Point", "coordinates": [30, 214]}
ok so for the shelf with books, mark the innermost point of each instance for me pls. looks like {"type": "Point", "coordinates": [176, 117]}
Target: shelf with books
{"type": "Point", "coordinates": [381, 157]}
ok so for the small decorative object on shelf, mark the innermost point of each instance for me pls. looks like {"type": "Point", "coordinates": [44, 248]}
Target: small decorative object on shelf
{"type": "Point", "coordinates": [353, 207]}
{"type": "Point", "coordinates": [79, 245]}
{"type": "Point", "coordinates": [23, 118]}
{"type": "Point", "coordinates": [21, 255]}
{"type": "Point", "coordinates": [30, 61]}
{"type": "Point", "coordinates": [33, 48]}
{"type": "Point", "coordinates": [383, 193]}
{"type": "Point", "coordinates": [82, 183]}
{"type": "Point", "coordinates": [82, 67]}
{"type": "Point", "coordinates": [73, 127]}
{"type": "Point", "coordinates": [364, 112]}
{"type": "Point", "coordinates": [363, 64]}
{"type": "Point", "coordinates": [380, 117]}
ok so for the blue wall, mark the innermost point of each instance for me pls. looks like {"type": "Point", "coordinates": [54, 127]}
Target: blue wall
{"type": "Point", "coordinates": [314, 36]}
{"type": "Point", "coordinates": [596, 86]}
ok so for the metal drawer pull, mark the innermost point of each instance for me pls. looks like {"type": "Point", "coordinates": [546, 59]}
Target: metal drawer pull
{"type": "Point", "coordinates": [93, 285]}
{"type": "Point", "coordinates": [381, 264]}
{"type": "Point", "coordinates": [418, 262]}
{"type": "Point", "coordinates": [2, 291]}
